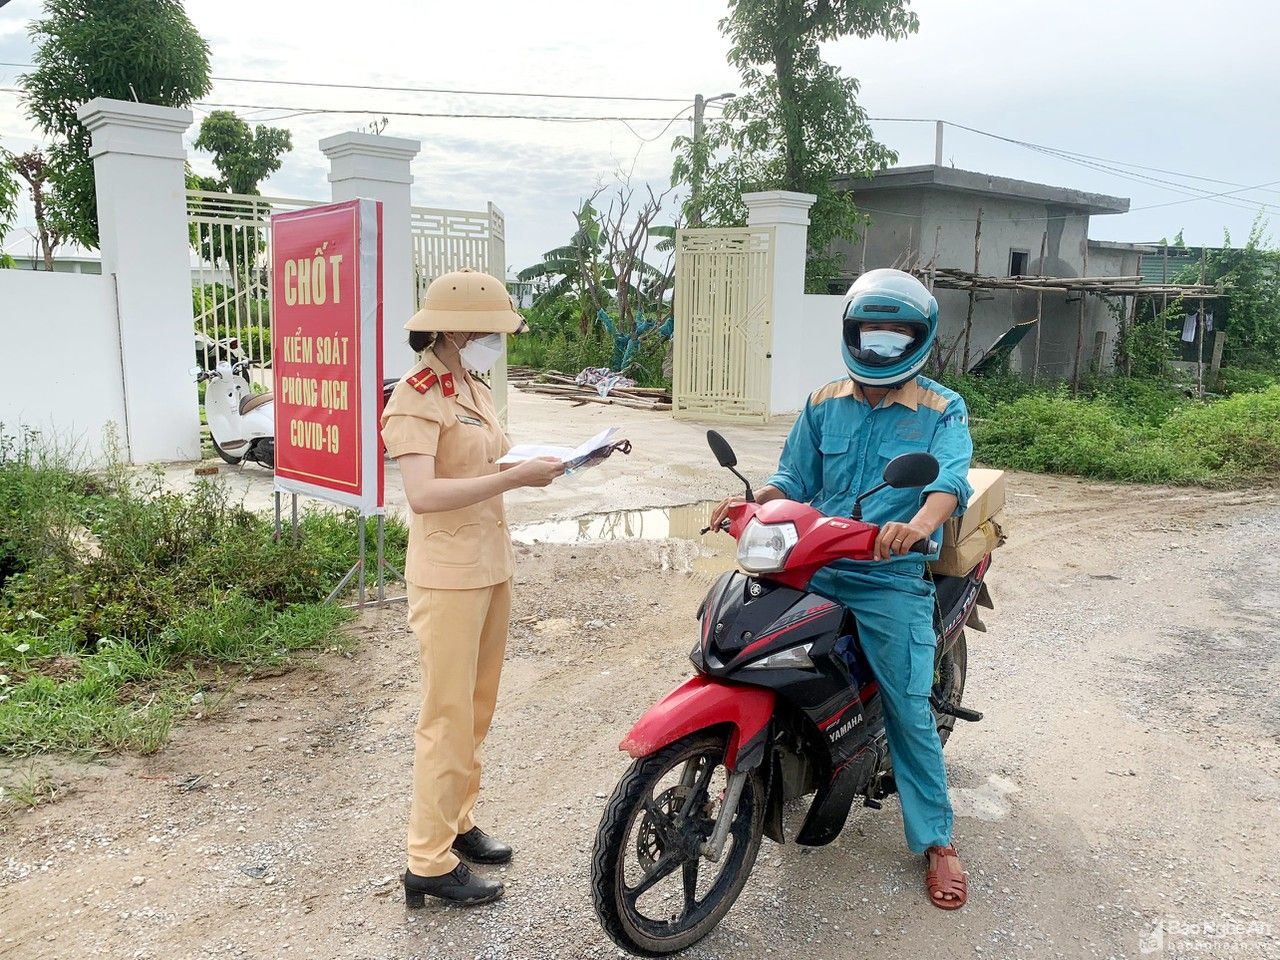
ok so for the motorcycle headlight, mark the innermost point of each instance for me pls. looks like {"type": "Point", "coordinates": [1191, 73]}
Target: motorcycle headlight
{"type": "Point", "coordinates": [763, 547]}
{"type": "Point", "coordinates": [792, 658]}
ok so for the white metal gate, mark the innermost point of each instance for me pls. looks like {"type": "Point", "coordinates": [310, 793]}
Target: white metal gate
{"type": "Point", "coordinates": [724, 323]}
{"type": "Point", "coordinates": [231, 272]}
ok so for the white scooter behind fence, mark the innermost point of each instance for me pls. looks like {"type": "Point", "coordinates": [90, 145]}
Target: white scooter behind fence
{"type": "Point", "coordinates": [242, 422]}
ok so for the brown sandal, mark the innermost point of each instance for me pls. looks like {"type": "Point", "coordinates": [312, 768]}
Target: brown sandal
{"type": "Point", "coordinates": [944, 880]}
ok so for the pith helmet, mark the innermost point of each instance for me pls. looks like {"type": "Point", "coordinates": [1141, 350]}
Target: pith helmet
{"type": "Point", "coordinates": [467, 301]}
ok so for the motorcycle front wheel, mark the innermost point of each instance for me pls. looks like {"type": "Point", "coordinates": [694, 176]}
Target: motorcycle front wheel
{"type": "Point", "coordinates": [654, 892]}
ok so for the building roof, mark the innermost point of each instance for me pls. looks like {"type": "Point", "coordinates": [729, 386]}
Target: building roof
{"type": "Point", "coordinates": [932, 177]}
{"type": "Point", "coordinates": [1156, 269]}
{"type": "Point", "coordinates": [1120, 245]}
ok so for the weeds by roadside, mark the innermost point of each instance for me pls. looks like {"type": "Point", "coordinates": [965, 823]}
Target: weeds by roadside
{"type": "Point", "coordinates": [1127, 430]}
{"type": "Point", "coordinates": [26, 786]}
{"type": "Point", "coordinates": [114, 592]}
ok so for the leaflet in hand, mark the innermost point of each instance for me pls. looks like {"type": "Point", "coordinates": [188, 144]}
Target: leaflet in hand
{"type": "Point", "coordinates": [572, 457]}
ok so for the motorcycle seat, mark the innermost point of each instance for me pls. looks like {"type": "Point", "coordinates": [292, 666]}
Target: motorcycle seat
{"type": "Point", "coordinates": [254, 402]}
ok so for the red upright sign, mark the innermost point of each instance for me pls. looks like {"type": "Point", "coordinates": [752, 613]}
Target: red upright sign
{"type": "Point", "coordinates": [326, 340]}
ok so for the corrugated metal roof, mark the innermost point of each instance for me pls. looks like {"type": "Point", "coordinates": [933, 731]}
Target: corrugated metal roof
{"type": "Point", "coordinates": [1153, 268]}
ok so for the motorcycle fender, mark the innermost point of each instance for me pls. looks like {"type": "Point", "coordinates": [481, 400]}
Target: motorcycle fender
{"type": "Point", "coordinates": [698, 704]}
{"type": "Point", "coordinates": [260, 422]}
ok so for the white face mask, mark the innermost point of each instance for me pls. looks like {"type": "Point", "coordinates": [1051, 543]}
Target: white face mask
{"type": "Point", "coordinates": [481, 354]}
{"type": "Point", "coordinates": [885, 343]}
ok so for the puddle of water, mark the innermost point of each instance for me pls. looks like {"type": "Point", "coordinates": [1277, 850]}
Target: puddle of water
{"type": "Point", "coordinates": [715, 551]}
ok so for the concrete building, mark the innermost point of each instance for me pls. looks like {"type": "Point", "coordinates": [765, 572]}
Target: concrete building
{"type": "Point", "coordinates": [928, 214]}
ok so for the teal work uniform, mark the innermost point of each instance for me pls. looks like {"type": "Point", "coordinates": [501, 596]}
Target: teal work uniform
{"type": "Point", "coordinates": [838, 448]}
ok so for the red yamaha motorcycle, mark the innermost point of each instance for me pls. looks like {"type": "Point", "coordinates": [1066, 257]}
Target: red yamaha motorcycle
{"type": "Point", "coordinates": [783, 705]}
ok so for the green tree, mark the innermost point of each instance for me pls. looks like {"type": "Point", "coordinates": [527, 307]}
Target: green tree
{"type": "Point", "coordinates": [1250, 276]}
{"type": "Point", "coordinates": [797, 125]}
{"type": "Point", "coordinates": [8, 201]}
{"type": "Point", "coordinates": [244, 155]}
{"type": "Point", "coordinates": [573, 271]}
{"type": "Point", "coordinates": [145, 50]}
{"type": "Point", "coordinates": [34, 169]}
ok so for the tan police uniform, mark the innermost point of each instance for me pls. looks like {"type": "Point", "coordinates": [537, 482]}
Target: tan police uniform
{"type": "Point", "coordinates": [458, 567]}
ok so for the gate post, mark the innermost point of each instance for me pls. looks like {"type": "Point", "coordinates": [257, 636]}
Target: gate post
{"type": "Point", "coordinates": [788, 213]}
{"type": "Point", "coordinates": [377, 167]}
{"type": "Point", "coordinates": [139, 177]}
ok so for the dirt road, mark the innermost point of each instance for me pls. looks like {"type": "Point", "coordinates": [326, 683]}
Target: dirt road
{"type": "Point", "coordinates": [1125, 781]}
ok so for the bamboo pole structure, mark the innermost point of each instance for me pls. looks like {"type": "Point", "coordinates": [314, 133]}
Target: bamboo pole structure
{"type": "Point", "coordinates": [973, 293]}
{"type": "Point", "coordinates": [1200, 336]}
{"type": "Point", "coordinates": [1044, 250]}
{"type": "Point", "coordinates": [1075, 373]}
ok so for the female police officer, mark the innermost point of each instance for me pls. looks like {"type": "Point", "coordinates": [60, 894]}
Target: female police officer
{"type": "Point", "coordinates": [442, 427]}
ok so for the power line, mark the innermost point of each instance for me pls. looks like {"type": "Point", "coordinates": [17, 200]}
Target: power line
{"type": "Point", "coordinates": [420, 113]}
{"type": "Point", "coordinates": [1099, 164]}
{"type": "Point", "coordinates": [399, 89]}
{"type": "Point", "coordinates": [1190, 192]}
{"type": "Point", "coordinates": [364, 111]}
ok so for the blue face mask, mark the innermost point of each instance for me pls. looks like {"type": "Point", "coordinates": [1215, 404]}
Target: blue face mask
{"type": "Point", "coordinates": [885, 343]}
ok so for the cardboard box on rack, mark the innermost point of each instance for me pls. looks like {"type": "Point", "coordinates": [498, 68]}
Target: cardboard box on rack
{"type": "Point", "coordinates": [957, 559]}
{"type": "Point", "coordinates": [986, 502]}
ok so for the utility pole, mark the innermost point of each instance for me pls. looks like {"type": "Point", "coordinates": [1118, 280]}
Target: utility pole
{"type": "Point", "coordinates": [695, 170]}
{"type": "Point", "coordinates": [937, 144]}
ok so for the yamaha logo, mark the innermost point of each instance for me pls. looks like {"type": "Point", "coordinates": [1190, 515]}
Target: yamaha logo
{"type": "Point", "coordinates": [845, 727]}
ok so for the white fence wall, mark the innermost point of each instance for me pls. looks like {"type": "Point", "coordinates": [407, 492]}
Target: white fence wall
{"type": "Point", "coordinates": [61, 369]}
{"type": "Point", "coordinates": [819, 361]}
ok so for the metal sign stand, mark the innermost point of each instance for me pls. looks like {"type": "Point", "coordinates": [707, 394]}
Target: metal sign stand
{"type": "Point", "coordinates": [360, 567]}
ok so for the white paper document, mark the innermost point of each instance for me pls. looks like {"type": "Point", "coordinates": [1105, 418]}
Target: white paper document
{"type": "Point", "coordinates": [572, 457]}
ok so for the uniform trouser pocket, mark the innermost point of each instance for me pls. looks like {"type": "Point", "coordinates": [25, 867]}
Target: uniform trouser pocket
{"type": "Point", "coordinates": [921, 649]}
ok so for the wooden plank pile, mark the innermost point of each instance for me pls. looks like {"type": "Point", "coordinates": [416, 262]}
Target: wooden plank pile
{"type": "Point", "coordinates": [553, 383]}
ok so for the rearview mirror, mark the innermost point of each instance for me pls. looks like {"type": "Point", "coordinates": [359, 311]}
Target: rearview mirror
{"type": "Point", "coordinates": [720, 447]}
{"type": "Point", "coordinates": [911, 470]}
{"type": "Point", "coordinates": [195, 371]}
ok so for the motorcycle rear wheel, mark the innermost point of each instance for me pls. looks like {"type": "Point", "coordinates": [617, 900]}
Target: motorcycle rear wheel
{"type": "Point", "coordinates": [650, 832]}
{"type": "Point", "coordinates": [227, 457]}
{"type": "Point", "coordinates": [949, 683]}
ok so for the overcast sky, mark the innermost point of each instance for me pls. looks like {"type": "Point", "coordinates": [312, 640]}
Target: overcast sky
{"type": "Point", "coordinates": [1143, 82]}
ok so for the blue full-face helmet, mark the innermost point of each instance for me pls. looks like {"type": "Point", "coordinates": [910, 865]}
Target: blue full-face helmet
{"type": "Point", "coordinates": [888, 296]}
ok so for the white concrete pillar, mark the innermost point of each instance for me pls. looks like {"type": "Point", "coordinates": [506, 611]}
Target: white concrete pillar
{"type": "Point", "coordinates": [788, 214]}
{"type": "Point", "coordinates": [138, 165]}
{"type": "Point", "coordinates": [377, 167]}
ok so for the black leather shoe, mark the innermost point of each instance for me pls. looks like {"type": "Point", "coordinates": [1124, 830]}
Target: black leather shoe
{"type": "Point", "coordinates": [478, 847]}
{"type": "Point", "coordinates": [458, 887]}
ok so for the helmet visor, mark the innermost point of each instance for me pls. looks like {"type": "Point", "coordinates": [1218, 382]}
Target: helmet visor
{"type": "Point", "coordinates": [873, 358]}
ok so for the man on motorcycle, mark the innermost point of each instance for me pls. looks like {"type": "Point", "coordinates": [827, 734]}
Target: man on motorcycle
{"type": "Point", "coordinates": [838, 448]}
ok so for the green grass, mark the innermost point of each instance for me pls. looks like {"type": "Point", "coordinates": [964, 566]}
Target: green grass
{"type": "Point", "coordinates": [116, 594]}
{"type": "Point", "coordinates": [1131, 431]}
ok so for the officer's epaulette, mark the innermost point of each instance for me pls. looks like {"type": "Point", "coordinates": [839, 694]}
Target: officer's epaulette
{"type": "Point", "coordinates": [425, 379]}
